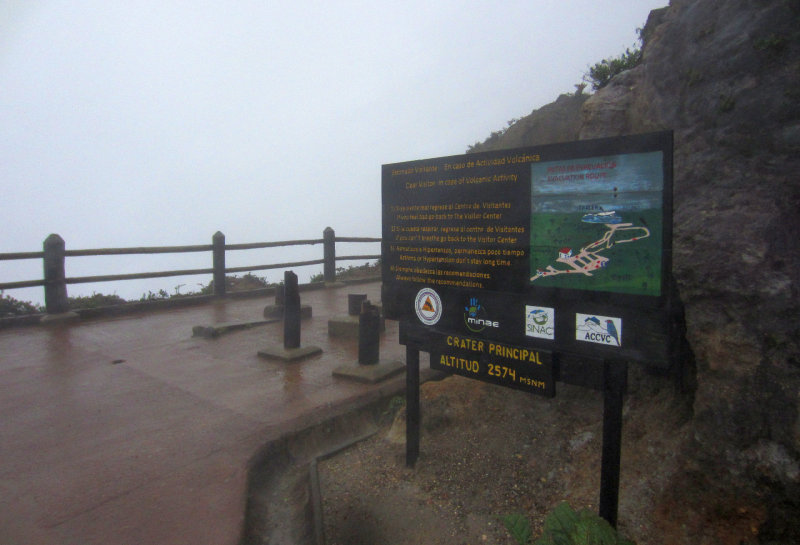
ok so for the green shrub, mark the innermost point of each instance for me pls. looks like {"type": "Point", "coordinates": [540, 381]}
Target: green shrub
{"type": "Point", "coordinates": [564, 526]}
{"type": "Point", "coordinates": [150, 296]}
{"type": "Point", "coordinates": [352, 272]}
{"type": "Point", "coordinates": [14, 307]}
{"type": "Point", "coordinates": [94, 300]}
{"type": "Point", "coordinates": [601, 73]}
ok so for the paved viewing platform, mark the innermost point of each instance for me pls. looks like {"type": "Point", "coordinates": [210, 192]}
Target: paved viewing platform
{"type": "Point", "coordinates": [129, 430]}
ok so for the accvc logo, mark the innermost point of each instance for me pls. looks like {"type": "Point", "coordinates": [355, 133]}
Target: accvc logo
{"type": "Point", "coordinates": [539, 322]}
{"type": "Point", "coordinates": [476, 318]}
{"type": "Point", "coordinates": [591, 328]}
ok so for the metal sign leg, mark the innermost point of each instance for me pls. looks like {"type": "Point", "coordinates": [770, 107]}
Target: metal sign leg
{"type": "Point", "coordinates": [412, 405]}
{"type": "Point", "coordinates": [615, 378]}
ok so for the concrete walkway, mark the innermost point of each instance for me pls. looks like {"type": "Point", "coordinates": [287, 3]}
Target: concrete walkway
{"type": "Point", "coordinates": [131, 431]}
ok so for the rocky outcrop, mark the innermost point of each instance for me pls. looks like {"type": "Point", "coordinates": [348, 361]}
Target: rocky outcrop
{"type": "Point", "coordinates": [559, 121]}
{"type": "Point", "coordinates": [725, 77]}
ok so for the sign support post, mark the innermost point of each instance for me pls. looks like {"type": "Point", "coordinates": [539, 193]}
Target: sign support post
{"type": "Point", "coordinates": [615, 378]}
{"type": "Point", "coordinates": [412, 404]}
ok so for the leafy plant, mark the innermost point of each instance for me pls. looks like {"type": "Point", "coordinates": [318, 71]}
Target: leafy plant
{"type": "Point", "coordinates": [94, 300]}
{"type": "Point", "coordinates": [233, 283]}
{"type": "Point", "coordinates": [519, 527]}
{"type": "Point", "coordinates": [601, 73]}
{"type": "Point", "coordinates": [564, 526]}
{"type": "Point", "coordinates": [494, 136]}
{"type": "Point", "coordinates": [10, 306]}
{"type": "Point", "coordinates": [150, 296]}
{"type": "Point", "coordinates": [352, 272]}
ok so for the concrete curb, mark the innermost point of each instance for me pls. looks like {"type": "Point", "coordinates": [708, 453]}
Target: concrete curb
{"type": "Point", "coordinates": [285, 467]}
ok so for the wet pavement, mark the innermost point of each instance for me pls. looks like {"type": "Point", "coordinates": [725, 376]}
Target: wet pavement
{"type": "Point", "coordinates": [129, 430]}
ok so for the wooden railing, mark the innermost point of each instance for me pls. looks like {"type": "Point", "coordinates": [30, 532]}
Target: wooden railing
{"type": "Point", "coordinates": [54, 254]}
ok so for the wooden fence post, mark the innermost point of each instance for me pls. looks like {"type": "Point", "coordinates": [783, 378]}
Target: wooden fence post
{"type": "Point", "coordinates": [55, 286]}
{"type": "Point", "coordinates": [218, 251]}
{"type": "Point", "coordinates": [329, 254]}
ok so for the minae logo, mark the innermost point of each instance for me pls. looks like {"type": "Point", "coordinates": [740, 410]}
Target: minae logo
{"type": "Point", "coordinates": [476, 317]}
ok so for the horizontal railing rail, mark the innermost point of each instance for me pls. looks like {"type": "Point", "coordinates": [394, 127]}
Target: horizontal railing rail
{"type": "Point", "coordinates": [140, 250]}
{"type": "Point", "coordinates": [55, 280]}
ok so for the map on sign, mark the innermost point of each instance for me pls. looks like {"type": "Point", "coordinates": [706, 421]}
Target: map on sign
{"type": "Point", "coordinates": [596, 223]}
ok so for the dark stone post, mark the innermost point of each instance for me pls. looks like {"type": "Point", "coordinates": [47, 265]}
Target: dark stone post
{"type": "Point", "coordinates": [55, 286]}
{"type": "Point", "coordinates": [329, 254]}
{"type": "Point", "coordinates": [280, 296]}
{"type": "Point", "coordinates": [291, 312]}
{"type": "Point", "coordinates": [369, 323]}
{"type": "Point", "coordinates": [355, 302]}
{"type": "Point", "coordinates": [218, 251]}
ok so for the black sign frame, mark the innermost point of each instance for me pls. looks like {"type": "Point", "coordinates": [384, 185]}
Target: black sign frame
{"type": "Point", "coordinates": [463, 228]}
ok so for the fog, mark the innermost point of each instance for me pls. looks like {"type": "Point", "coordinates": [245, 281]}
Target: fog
{"type": "Point", "coordinates": [159, 123]}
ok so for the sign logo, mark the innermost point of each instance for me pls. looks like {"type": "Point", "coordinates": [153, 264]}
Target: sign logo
{"type": "Point", "coordinates": [428, 305]}
{"type": "Point", "coordinates": [598, 329]}
{"type": "Point", "coordinates": [540, 322]}
{"type": "Point", "coordinates": [476, 317]}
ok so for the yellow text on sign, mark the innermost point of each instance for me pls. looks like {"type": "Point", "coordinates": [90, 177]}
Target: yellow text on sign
{"type": "Point", "coordinates": [520, 354]}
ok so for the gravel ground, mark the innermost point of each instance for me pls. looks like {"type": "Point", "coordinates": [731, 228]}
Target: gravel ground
{"type": "Point", "coordinates": [488, 451]}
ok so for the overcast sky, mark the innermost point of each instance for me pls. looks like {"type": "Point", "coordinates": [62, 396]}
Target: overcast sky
{"type": "Point", "coordinates": [137, 123]}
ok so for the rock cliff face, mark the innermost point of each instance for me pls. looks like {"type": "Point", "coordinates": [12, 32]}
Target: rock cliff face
{"type": "Point", "coordinates": [725, 77]}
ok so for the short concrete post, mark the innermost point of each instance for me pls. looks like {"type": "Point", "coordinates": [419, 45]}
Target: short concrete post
{"type": "Point", "coordinates": [369, 323]}
{"type": "Point", "coordinates": [218, 251]}
{"type": "Point", "coordinates": [369, 367]}
{"type": "Point", "coordinates": [329, 254]}
{"type": "Point", "coordinates": [55, 286]}
{"type": "Point", "coordinates": [291, 312]}
{"type": "Point", "coordinates": [280, 296]}
{"type": "Point", "coordinates": [355, 303]}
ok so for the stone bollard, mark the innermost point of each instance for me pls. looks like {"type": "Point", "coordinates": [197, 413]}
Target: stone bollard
{"type": "Point", "coordinates": [280, 295]}
{"type": "Point", "coordinates": [346, 325]}
{"type": "Point", "coordinates": [369, 368]}
{"type": "Point", "coordinates": [291, 311]}
{"type": "Point", "coordinates": [369, 324]}
{"type": "Point", "coordinates": [292, 314]}
{"type": "Point", "coordinates": [355, 302]}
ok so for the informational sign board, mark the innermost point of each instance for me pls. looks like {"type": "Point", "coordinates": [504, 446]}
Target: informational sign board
{"type": "Point", "coordinates": [555, 249]}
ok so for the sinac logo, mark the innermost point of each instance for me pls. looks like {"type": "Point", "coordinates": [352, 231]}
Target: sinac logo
{"type": "Point", "coordinates": [539, 317]}
{"type": "Point", "coordinates": [539, 322]}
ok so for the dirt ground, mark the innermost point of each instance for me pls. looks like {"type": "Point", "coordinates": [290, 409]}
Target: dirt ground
{"type": "Point", "coordinates": [488, 451]}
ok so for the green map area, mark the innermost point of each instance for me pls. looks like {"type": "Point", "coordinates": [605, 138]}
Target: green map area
{"type": "Point", "coordinates": [596, 224]}
{"type": "Point", "coordinates": [632, 266]}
